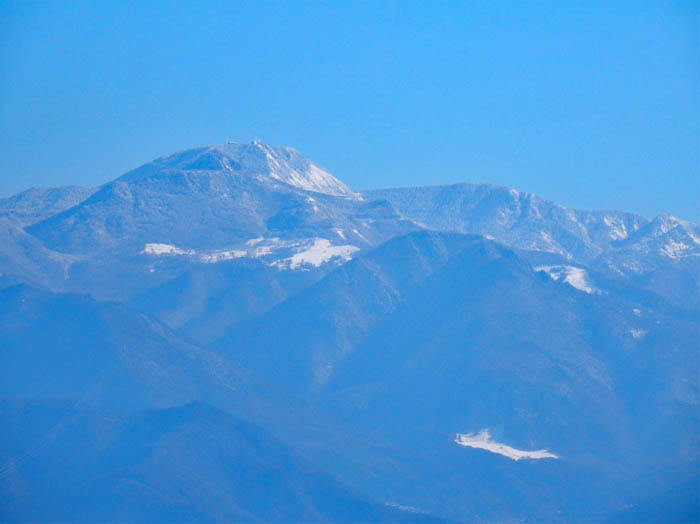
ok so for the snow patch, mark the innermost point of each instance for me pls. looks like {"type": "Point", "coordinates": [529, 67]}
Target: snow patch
{"type": "Point", "coordinates": [360, 235]}
{"type": "Point", "coordinates": [482, 440]}
{"type": "Point", "coordinates": [312, 201]}
{"type": "Point", "coordinates": [219, 256]}
{"type": "Point", "coordinates": [574, 276]}
{"type": "Point", "coordinates": [284, 254]}
{"type": "Point", "coordinates": [263, 251]}
{"type": "Point", "coordinates": [674, 249]}
{"type": "Point", "coordinates": [618, 230]}
{"type": "Point", "coordinates": [693, 237]}
{"type": "Point", "coordinates": [213, 257]}
{"type": "Point", "coordinates": [638, 334]}
{"type": "Point", "coordinates": [165, 249]}
{"type": "Point", "coordinates": [320, 252]}
{"type": "Point", "coordinates": [402, 507]}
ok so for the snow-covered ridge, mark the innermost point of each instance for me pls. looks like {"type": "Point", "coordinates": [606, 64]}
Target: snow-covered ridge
{"type": "Point", "coordinates": [574, 276]}
{"type": "Point", "coordinates": [274, 164]}
{"type": "Point", "coordinates": [625, 243]}
{"type": "Point", "coordinates": [482, 440]}
{"type": "Point", "coordinates": [284, 254]}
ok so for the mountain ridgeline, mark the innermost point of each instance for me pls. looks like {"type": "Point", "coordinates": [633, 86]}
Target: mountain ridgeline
{"type": "Point", "coordinates": [230, 333]}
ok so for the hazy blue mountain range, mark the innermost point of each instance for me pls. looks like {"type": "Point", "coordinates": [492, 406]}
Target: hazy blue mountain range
{"type": "Point", "coordinates": [464, 333]}
{"type": "Point", "coordinates": [205, 300]}
{"type": "Point", "coordinates": [513, 217]}
{"type": "Point", "coordinates": [191, 463]}
{"type": "Point", "coordinates": [231, 333]}
{"type": "Point", "coordinates": [72, 346]}
{"type": "Point", "coordinates": [526, 221]}
{"type": "Point", "coordinates": [21, 253]}
{"type": "Point", "coordinates": [618, 242]}
{"type": "Point", "coordinates": [33, 205]}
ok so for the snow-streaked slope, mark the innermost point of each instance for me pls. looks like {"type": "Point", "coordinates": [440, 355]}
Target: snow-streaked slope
{"type": "Point", "coordinates": [482, 440]}
{"type": "Point", "coordinates": [661, 255]}
{"type": "Point", "coordinates": [516, 218]}
{"type": "Point", "coordinates": [574, 276]}
{"type": "Point", "coordinates": [666, 241]}
{"type": "Point", "coordinates": [278, 163]}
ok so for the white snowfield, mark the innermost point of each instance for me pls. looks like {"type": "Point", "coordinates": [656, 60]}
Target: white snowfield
{"type": "Point", "coordinates": [574, 276]}
{"type": "Point", "coordinates": [482, 440]}
{"type": "Point", "coordinates": [320, 252]}
{"type": "Point", "coordinates": [165, 249]}
{"type": "Point", "coordinates": [311, 252]}
{"type": "Point", "coordinates": [218, 256]}
{"type": "Point", "coordinates": [289, 166]}
{"type": "Point", "coordinates": [617, 227]}
{"type": "Point", "coordinates": [208, 258]}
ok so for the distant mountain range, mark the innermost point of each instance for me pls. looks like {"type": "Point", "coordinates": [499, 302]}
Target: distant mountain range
{"type": "Point", "coordinates": [230, 333]}
{"type": "Point", "coordinates": [622, 243]}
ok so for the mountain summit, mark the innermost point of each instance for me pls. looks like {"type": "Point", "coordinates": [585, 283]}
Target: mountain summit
{"type": "Point", "coordinates": [279, 163]}
{"type": "Point", "coordinates": [219, 203]}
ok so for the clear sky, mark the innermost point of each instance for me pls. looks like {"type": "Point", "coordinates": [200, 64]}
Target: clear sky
{"type": "Point", "coordinates": [592, 104]}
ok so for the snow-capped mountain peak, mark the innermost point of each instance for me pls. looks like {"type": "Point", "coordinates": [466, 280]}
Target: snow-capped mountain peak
{"type": "Point", "coordinates": [279, 163]}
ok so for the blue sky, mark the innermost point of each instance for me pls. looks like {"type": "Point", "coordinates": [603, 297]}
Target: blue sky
{"type": "Point", "coordinates": [592, 104]}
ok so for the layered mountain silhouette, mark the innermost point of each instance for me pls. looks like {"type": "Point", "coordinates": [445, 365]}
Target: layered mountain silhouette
{"type": "Point", "coordinates": [464, 333]}
{"type": "Point", "coordinates": [230, 333]}
{"type": "Point", "coordinates": [526, 221]}
{"type": "Point", "coordinates": [191, 463]}
{"type": "Point", "coordinates": [72, 346]}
